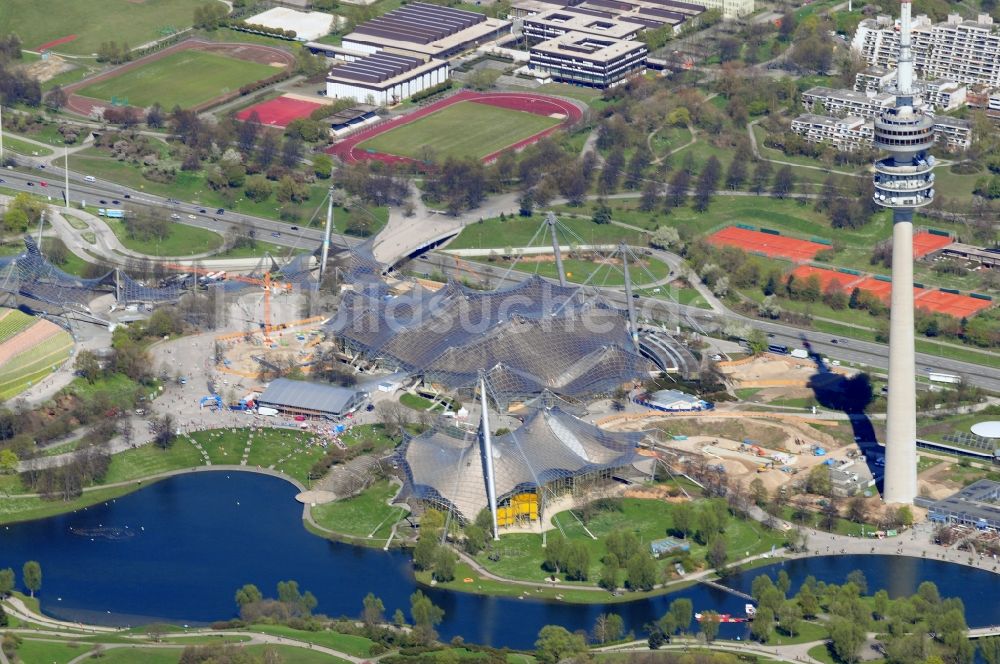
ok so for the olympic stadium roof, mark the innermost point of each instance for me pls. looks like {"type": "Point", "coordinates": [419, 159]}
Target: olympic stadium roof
{"type": "Point", "coordinates": [531, 337]}
{"type": "Point", "coordinates": [445, 465]}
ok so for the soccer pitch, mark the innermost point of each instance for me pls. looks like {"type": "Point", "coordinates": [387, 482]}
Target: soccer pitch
{"type": "Point", "coordinates": [186, 78]}
{"type": "Point", "coordinates": [89, 23]}
{"type": "Point", "coordinates": [465, 129]}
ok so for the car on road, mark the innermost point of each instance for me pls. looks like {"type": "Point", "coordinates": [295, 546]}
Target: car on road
{"type": "Point", "coordinates": [191, 216]}
{"type": "Point", "coordinates": [89, 178]}
{"type": "Point", "coordinates": [43, 183]}
{"type": "Point", "coordinates": [833, 341]}
{"type": "Point", "coordinates": [42, 166]}
{"type": "Point", "coordinates": [275, 234]}
{"type": "Point", "coordinates": [2, 180]}
{"type": "Point", "coordinates": [175, 216]}
{"type": "Point", "coordinates": [220, 211]}
{"type": "Point", "coordinates": [126, 195]}
{"type": "Point", "coordinates": [115, 201]}
{"type": "Point", "coordinates": [201, 210]}
{"type": "Point", "coordinates": [102, 202]}
{"type": "Point", "coordinates": [295, 228]}
{"type": "Point", "coordinates": [30, 184]}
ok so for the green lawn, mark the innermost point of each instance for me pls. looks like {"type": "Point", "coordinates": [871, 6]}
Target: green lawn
{"type": "Point", "coordinates": [150, 460]}
{"type": "Point", "coordinates": [17, 508]}
{"type": "Point", "coordinates": [416, 402]}
{"type": "Point", "coordinates": [808, 631]}
{"type": "Point", "coordinates": [465, 129]}
{"type": "Point", "coordinates": [518, 231]}
{"type": "Point", "coordinates": [223, 445]}
{"type": "Point", "coordinates": [45, 652]}
{"type": "Point", "coordinates": [521, 555]}
{"type": "Point", "coordinates": [144, 655]}
{"type": "Point", "coordinates": [182, 241]}
{"type": "Point", "coordinates": [169, 80]}
{"type": "Point", "coordinates": [15, 144]}
{"type": "Point", "coordinates": [366, 514]}
{"type": "Point", "coordinates": [358, 646]}
{"type": "Point", "coordinates": [73, 263]}
{"type": "Point", "coordinates": [41, 21]}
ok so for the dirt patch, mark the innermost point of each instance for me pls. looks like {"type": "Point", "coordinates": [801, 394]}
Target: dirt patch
{"type": "Point", "coordinates": [654, 493]}
{"type": "Point", "coordinates": [43, 70]}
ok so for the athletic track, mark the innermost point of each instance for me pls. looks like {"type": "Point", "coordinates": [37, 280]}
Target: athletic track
{"type": "Point", "coordinates": [349, 152]}
{"type": "Point", "coordinates": [253, 52]}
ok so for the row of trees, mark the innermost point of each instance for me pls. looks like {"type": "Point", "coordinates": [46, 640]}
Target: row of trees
{"type": "Point", "coordinates": [31, 574]}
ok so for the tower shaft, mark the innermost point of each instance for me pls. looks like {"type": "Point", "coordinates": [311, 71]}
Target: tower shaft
{"type": "Point", "coordinates": [904, 181]}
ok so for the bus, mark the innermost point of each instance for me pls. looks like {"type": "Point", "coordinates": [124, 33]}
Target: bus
{"type": "Point", "coordinates": [778, 348]}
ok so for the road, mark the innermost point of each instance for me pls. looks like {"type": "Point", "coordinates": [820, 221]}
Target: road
{"type": "Point", "coordinates": [861, 352]}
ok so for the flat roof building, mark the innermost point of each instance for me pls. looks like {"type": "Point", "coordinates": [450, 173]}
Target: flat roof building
{"type": "Point", "coordinates": [853, 132]}
{"type": "Point", "coordinates": [385, 78]}
{"type": "Point", "coordinates": [675, 400]}
{"type": "Point", "coordinates": [585, 59]}
{"type": "Point", "coordinates": [976, 505]}
{"type": "Point", "coordinates": [426, 30]}
{"type": "Point", "coordinates": [299, 397]}
{"type": "Point", "coordinates": [848, 102]}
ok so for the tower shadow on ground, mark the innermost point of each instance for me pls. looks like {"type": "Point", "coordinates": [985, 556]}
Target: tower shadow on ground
{"type": "Point", "coordinates": [850, 395]}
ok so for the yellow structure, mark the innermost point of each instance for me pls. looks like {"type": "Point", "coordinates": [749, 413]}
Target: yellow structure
{"type": "Point", "coordinates": [521, 506]}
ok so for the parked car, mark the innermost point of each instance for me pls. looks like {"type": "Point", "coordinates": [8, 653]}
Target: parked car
{"type": "Point", "coordinates": [220, 211]}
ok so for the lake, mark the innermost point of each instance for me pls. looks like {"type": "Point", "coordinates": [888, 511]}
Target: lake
{"type": "Point", "coordinates": [177, 550]}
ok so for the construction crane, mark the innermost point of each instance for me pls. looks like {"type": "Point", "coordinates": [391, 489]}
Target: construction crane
{"type": "Point", "coordinates": [266, 283]}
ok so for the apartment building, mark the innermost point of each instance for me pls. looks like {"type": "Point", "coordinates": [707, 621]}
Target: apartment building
{"type": "Point", "coordinates": [847, 102]}
{"type": "Point", "coordinates": [853, 132]}
{"type": "Point", "coordinates": [957, 50]}
{"type": "Point", "coordinates": [874, 79]}
{"type": "Point", "coordinates": [944, 95]}
{"type": "Point", "coordinates": [847, 134]}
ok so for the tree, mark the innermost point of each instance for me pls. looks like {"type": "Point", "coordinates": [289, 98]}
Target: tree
{"type": "Point", "coordinates": [322, 165]}
{"type": "Point", "coordinates": [683, 519]}
{"type": "Point", "coordinates": [577, 561]}
{"type": "Point", "coordinates": [291, 190]}
{"type": "Point", "coordinates": [8, 583]}
{"type": "Point", "coordinates": [267, 150]}
{"type": "Point", "coordinates": [846, 638]}
{"type": "Point", "coordinates": [373, 612]}
{"type": "Point", "coordinates": [763, 623]}
{"type": "Point", "coordinates": [736, 174]}
{"type": "Point", "coordinates": [247, 133]}
{"type": "Point", "coordinates": [761, 177]}
{"type": "Point", "coordinates": [857, 577]}
{"type": "Point", "coordinates": [56, 98]}
{"type": "Point", "coordinates": [707, 183]}
{"type": "Point", "coordinates": [248, 594]}
{"type": "Point", "coordinates": [426, 616]}
{"type": "Point", "coordinates": [291, 152]}
{"type": "Point", "coordinates": [425, 552]}
{"type": "Point", "coordinates": [818, 481]}
{"type": "Point", "coordinates": [555, 643]}
{"type": "Point", "coordinates": [664, 237]}
{"type": "Point", "coordinates": [608, 627]}
{"type": "Point", "coordinates": [482, 79]}
{"type": "Point", "coordinates": [709, 625]}
{"type": "Point", "coordinates": [555, 553]}
{"type": "Point", "coordinates": [641, 571]}
{"type": "Point", "coordinates": [790, 617]}
{"type": "Point", "coordinates": [808, 602]}
{"type": "Point", "coordinates": [758, 492]}
{"type": "Point", "coordinates": [904, 516]}
{"type": "Point", "coordinates": [8, 461]}
{"type": "Point", "coordinates": [784, 182]}
{"type": "Point", "coordinates": [681, 612]}
{"type": "Point", "coordinates": [650, 197]}
{"type": "Point", "coordinates": [257, 188]}
{"type": "Point", "coordinates": [989, 648]}
{"type": "Point", "coordinates": [444, 565]}
{"type": "Point", "coordinates": [784, 583]}
{"type": "Point", "coordinates": [32, 575]}
{"type": "Point", "coordinates": [717, 553]}
{"type": "Point", "coordinates": [609, 573]}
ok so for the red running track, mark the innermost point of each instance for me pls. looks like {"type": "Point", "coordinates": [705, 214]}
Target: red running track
{"type": "Point", "coordinates": [56, 42]}
{"type": "Point", "coordinates": [281, 111]}
{"type": "Point", "coordinates": [518, 101]}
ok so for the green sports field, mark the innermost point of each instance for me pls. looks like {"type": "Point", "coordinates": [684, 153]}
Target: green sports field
{"type": "Point", "coordinates": [135, 22]}
{"type": "Point", "coordinates": [465, 129]}
{"type": "Point", "coordinates": [184, 79]}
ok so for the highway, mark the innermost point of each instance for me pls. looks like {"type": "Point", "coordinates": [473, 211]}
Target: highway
{"type": "Point", "coordinates": [849, 350]}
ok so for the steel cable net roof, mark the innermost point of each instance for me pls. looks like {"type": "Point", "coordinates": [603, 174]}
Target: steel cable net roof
{"type": "Point", "coordinates": [529, 337]}
{"type": "Point", "coordinates": [29, 274]}
{"type": "Point", "coordinates": [446, 465]}
{"type": "Point", "coordinates": [298, 270]}
{"type": "Point", "coordinates": [136, 291]}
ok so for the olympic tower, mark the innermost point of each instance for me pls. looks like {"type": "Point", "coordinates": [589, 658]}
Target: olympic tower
{"type": "Point", "coordinates": [904, 181]}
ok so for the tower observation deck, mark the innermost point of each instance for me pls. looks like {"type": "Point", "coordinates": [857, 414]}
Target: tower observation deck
{"type": "Point", "coordinates": [904, 181]}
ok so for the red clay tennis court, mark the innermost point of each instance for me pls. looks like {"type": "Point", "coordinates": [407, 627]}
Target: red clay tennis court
{"type": "Point", "coordinates": [925, 243]}
{"type": "Point", "coordinates": [880, 289]}
{"type": "Point", "coordinates": [826, 277]}
{"type": "Point", "coordinates": [281, 111]}
{"type": "Point", "coordinates": [959, 306]}
{"type": "Point", "coordinates": [765, 243]}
